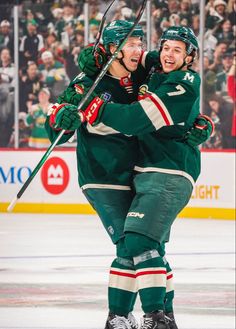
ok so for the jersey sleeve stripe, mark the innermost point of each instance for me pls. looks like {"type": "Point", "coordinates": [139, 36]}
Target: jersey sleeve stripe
{"type": "Point", "coordinates": [156, 111]}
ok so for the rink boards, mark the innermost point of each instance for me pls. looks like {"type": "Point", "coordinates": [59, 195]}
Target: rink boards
{"type": "Point", "coordinates": [55, 187]}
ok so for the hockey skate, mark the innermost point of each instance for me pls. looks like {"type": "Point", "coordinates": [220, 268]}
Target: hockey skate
{"type": "Point", "coordinates": [171, 320]}
{"type": "Point", "coordinates": [118, 322]}
{"type": "Point", "coordinates": [132, 321]}
{"type": "Point", "coordinates": [155, 320]}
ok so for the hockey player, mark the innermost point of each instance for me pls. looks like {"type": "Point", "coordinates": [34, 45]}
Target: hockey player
{"type": "Point", "coordinates": [122, 285]}
{"type": "Point", "coordinates": [106, 158]}
{"type": "Point", "coordinates": [167, 166]}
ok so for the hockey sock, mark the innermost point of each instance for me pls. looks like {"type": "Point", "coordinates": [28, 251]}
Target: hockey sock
{"type": "Point", "coordinates": [169, 290]}
{"type": "Point", "coordinates": [169, 297]}
{"type": "Point", "coordinates": [151, 281]}
{"type": "Point", "coordinates": [122, 290]}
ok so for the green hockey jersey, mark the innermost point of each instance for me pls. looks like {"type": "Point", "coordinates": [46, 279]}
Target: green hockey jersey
{"type": "Point", "coordinates": [105, 157]}
{"type": "Point", "coordinates": [166, 110]}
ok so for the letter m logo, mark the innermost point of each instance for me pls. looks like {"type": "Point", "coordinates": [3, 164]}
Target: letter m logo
{"type": "Point", "coordinates": [189, 76]}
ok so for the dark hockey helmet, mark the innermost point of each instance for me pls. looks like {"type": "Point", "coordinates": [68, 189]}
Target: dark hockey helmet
{"type": "Point", "coordinates": [184, 34]}
{"type": "Point", "coordinates": [116, 31]}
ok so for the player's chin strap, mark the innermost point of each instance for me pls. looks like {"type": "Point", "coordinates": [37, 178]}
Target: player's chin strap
{"type": "Point", "coordinates": [193, 55]}
{"type": "Point", "coordinates": [184, 64]}
{"type": "Point", "coordinates": [122, 63]}
{"type": "Point", "coordinates": [120, 60]}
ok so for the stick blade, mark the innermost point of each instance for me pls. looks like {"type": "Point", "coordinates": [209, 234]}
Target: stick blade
{"type": "Point", "coordinates": [12, 204]}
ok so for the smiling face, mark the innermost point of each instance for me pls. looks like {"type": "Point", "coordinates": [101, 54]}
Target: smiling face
{"type": "Point", "coordinates": [173, 55]}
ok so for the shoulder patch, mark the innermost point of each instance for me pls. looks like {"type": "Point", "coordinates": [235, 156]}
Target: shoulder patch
{"type": "Point", "coordinates": [79, 89]}
{"type": "Point", "coordinates": [106, 96]}
{"type": "Point", "coordinates": [143, 90]}
{"type": "Point", "coordinates": [189, 76]}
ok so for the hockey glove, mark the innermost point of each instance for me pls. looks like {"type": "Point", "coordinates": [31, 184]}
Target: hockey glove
{"type": "Point", "coordinates": [202, 129]}
{"type": "Point", "coordinates": [65, 116]}
{"type": "Point", "coordinates": [91, 63]}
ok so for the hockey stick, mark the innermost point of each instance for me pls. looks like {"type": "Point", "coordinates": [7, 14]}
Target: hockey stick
{"type": "Point", "coordinates": [101, 27]}
{"type": "Point", "coordinates": [97, 80]}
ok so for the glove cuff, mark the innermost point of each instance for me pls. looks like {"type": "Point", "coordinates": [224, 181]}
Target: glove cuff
{"type": "Point", "coordinates": [54, 109]}
{"type": "Point", "coordinates": [92, 111]}
{"type": "Point", "coordinates": [206, 117]}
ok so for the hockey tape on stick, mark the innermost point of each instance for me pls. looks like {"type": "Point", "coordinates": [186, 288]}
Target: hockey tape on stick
{"type": "Point", "coordinates": [98, 79]}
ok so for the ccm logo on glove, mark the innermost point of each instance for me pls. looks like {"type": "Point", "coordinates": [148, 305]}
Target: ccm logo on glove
{"type": "Point", "coordinates": [92, 111]}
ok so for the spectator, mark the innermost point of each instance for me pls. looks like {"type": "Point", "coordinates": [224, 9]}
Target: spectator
{"type": "Point", "coordinates": [125, 13]}
{"type": "Point", "coordinates": [40, 11]}
{"type": "Point", "coordinates": [232, 12]}
{"type": "Point", "coordinates": [158, 14]}
{"type": "Point", "coordinates": [36, 119]}
{"type": "Point", "coordinates": [71, 57]}
{"type": "Point", "coordinates": [31, 44]}
{"type": "Point", "coordinates": [7, 73]}
{"type": "Point", "coordinates": [216, 14]}
{"type": "Point", "coordinates": [221, 113]}
{"type": "Point", "coordinates": [93, 30]}
{"type": "Point", "coordinates": [170, 14]}
{"type": "Point", "coordinates": [209, 81]}
{"type": "Point", "coordinates": [186, 13]}
{"type": "Point", "coordinates": [6, 37]}
{"type": "Point", "coordinates": [67, 16]}
{"type": "Point", "coordinates": [52, 44]}
{"type": "Point", "coordinates": [30, 84]}
{"type": "Point", "coordinates": [24, 132]}
{"type": "Point", "coordinates": [196, 24]}
{"type": "Point", "coordinates": [221, 76]}
{"type": "Point", "coordinates": [26, 17]}
{"type": "Point", "coordinates": [173, 7]}
{"type": "Point", "coordinates": [215, 140]}
{"type": "Point", "coordinates": [7, 70]}
{"type": "Point", "coordinates": [53, 74]}
{"type": "Point", "coordinates": [216, 61]}
{"type": "Point", "coordinates": [57, 17]}
{"type": "Point", "coordinates": [225, 32]}
{"type": "Point", "coordinates": [67, 36]}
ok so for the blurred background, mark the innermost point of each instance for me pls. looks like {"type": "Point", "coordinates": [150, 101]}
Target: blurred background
{"type": "Point", "coordinates": [40, 42]}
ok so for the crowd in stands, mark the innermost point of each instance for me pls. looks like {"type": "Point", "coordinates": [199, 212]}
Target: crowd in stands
{"type": "Point", "coordinates": [51, 36]}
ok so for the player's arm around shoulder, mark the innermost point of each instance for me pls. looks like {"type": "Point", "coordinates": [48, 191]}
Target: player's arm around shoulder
{"type": "Point", "coordinates": [162, 102]}
{"type": "Point", "coordinates": [150, 59]}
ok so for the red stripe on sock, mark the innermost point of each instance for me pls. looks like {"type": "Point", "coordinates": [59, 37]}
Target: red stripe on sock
{"type": "Point", "coordinates": [123, 274]}
{"type": "Point", "coordinates": [150, 272]}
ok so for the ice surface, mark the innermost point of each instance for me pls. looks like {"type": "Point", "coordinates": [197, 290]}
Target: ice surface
{"type": "Point", "coordinates": [54, 272]}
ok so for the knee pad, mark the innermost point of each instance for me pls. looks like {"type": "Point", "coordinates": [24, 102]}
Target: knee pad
{"type": "Point", "coordinates": [137, 244]}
